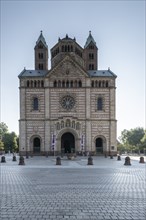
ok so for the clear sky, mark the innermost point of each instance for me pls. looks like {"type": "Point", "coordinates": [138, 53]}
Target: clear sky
{"type": "Point", "coordinates": [118, 27]}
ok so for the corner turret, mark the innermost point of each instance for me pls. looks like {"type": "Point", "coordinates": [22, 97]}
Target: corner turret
{"type": "Point", "coordinates": [41, 53]}
{"type": "Point", "coordinates": [90, 53]}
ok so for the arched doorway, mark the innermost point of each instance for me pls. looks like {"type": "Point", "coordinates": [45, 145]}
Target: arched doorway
{"type": "Point", "coordinates": [67, 143]}
{"type": "Point", "coordinates": [99, 145]}
{"type": "Point", "coordinates": [36, 145]}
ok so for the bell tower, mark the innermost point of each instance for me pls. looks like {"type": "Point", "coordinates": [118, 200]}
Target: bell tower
{"type": "Point", "coordinates": [90, 53]}
{"type": "Point", "coordinates": [41, 54]}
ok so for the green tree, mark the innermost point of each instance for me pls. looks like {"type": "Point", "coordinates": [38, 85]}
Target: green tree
{"type": "Point", "coordinates": [3, 129]}
{"type": "Point", "coordinates": [143, 143]}
{"type": "Point", "coordinates": [1, 145]}
{"type": "Point", "coordinates": [132, 138]}
{"type": "Point", "coordinates": [10, 142]}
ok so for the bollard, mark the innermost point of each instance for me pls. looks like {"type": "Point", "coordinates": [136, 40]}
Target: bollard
{"type": "Point", "coordinates": [111, 156]}
{"type": "Point", "coordinates": [141, 160]}
{"type": "Point", "coordinates": [3, 159]}
{"type": "Point", "coordinates": [14, 158]}
{"type": "Point", "coordinates": [127, 161]}
{"type": "Point", "coordinates": [90, 161]}
{"type": "Point", "coordinates": [27, 156]}
{"type": "Point", "coordinates": [58, 161]}
{"type": "Point", "coordinates": [21, 160]}
{"type": "Point", "coordinates": [119, 157]}
{"type": "Point", "coordinates": [105, 155]}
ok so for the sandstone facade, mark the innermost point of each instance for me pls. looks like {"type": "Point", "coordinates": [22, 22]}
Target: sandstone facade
{"type": "Point", "coordinates": [69, 108]}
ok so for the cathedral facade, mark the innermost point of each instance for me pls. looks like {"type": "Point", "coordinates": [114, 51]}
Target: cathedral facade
{"type": "Point", "coordinates": [69, 107]}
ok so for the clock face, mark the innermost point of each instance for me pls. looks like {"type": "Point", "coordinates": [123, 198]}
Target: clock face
{"type": "Point", "coordinates": [67, 102]}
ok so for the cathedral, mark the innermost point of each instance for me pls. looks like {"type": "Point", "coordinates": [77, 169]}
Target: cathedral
{"type": "Point", "coordinates": [69, 107]}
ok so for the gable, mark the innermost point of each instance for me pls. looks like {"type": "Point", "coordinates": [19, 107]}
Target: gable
{"type": "Point", "coordinates": [67, 68]}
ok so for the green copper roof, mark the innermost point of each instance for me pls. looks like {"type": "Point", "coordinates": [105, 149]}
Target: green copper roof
{"type": "Point", "coordinates": [89, 40]}
{"type": "Point", "coordinates": [42, 39]}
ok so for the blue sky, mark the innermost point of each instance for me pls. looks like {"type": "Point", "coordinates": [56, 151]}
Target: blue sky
{"type": "Point", "coordinates": [118, 28]}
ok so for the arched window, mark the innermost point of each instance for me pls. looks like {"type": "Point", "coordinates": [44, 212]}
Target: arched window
{"type": "Point", "coordinates": [71, 84]}
{"type": "Point", "coordinates": [55, 84]}
{"type": "Point", "coordinates": [67, 84]}
{"type": "Point", "coordinates": [31, 83]}
{"type": "Point", "coordinates": [35, 84]}
{"type": "Point", "coordinates": [35, 103]}
{"type": "Point", "coordinates": [63, 84]}
{"type": "Point", "coordinates": [80, 83]}
{"type": "Point", "coordinates": [106, 83]}
{"type": "Point", "coordinates": [42, 83]}
{"type": "Point", "coordinates": [27, 83]}
{"type": "Point", "coordinates": [100, 103]}
{"type": "Point", "coordinates": [99, 84]}
{"type": "Point", "coordinates": [65, 48]}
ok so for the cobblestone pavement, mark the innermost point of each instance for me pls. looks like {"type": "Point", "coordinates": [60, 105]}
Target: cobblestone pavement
{"type": "Point", "coordinates": [41, 190]}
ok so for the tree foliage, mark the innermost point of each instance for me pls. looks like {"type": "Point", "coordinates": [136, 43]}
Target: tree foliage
{"type": "Point", "coordinates": [133, 139]}
{"type": "Point", "coordinates": [3, 129]}
{"type": "Point", "coordinates": [8, 140]}
{"type": "Point", "coordinates": [1, 145]}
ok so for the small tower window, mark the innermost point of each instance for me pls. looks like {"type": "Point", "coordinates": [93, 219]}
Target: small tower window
{"type": "Point", "coordinates": [100, 104]}
{"type": "Point", "coordinates": [35, 103]}
{"type": "Point", "coordinates": [41, 66]}
{"type": "Point", "coordinates": [40, 55]}
{"type": "Point", "coordinates": [91, 56]}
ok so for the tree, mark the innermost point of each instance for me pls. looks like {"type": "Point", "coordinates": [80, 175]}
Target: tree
{"type": "Point", "coordinates": [10, 142]}
{"type": "Point", "coordinates": [1, 146]}
{"type": "Point", "coordinates": [132, 138]}
{"type": "Point", "coordinates": [143, 143]}
{"type": "Point", "coordinates": [3, 129]}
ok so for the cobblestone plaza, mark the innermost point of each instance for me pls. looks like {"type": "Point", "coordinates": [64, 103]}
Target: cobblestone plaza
{"type": "Point", "coordinates": [42, 190]}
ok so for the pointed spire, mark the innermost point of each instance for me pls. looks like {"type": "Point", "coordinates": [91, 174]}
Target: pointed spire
{"type": "Point", "coordinates": [42, 39]}
{"type": "Point", "coordinates": [89, 40]}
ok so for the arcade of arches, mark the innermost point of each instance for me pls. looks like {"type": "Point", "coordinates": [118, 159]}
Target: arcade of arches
{"type": "Point", "coordinates": [68, 144]}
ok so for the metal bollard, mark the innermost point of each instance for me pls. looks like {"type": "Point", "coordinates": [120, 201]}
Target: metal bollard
{"type": "Point", "coordinates": [111, 156]}
{"type": "Point", "coordinates": [14, 158]}
{"type": "Point", "coordinates": [119, 157]}
{"type": "Point", "coordinates": [3, 159]}
{"type": "Point", "coordinates": [141, 160]}
{"type": "Point", "coordinates": [21, 160]}
{"type": "Point", "coordinates": [58, 161]}
{"type": "Point", "coordinates": [127, 161]}
{"type": "Point", "coordinates": [90, 161]}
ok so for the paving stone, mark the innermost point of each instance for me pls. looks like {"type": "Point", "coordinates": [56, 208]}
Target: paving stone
{"type": "Point", "coordinates": [40, 190]}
